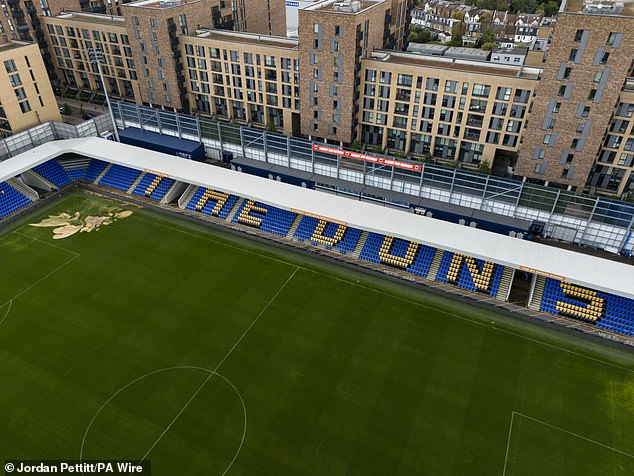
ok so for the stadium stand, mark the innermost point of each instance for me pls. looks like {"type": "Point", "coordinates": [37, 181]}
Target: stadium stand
{"type": "Point", "coordinates": [265, 217]}
{"type": "Point", "coordinates": [120, 177]}
{"type": "Point", "coordinates": [339, 236]}
{"type": "Point", "coordinates": [11, 199]}
{"type": "Point", "coordinates": [94, 170]}
{"type": "Point", "coordinates": [469, 273]}
{"type": "Point", "coordinates": [153, 186]}
{"type": "Point", "coordinates": [53, 172]}
{"type": "Point", "coordinates": [412, 257]}
{"type": "Point", "coordinates": [608, 311]}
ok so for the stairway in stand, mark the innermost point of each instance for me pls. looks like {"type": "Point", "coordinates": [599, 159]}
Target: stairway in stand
{"type": "Point", "coordinates": [505, 283]}
{"type": "Point", "coordinates": [357, 249]}
{"type": "Point", "coordinates": [234, 209]}
{"type": "Point", "coordinates": [293, 228]}
{"type": "Point", "coordinates": [104, 172]}
{"type": "Point", "coordinates": [435, 265]}
{"type": "Point", "coordinates": [538, 293]}
{"type": "Point", "coordinates": [135, 183]}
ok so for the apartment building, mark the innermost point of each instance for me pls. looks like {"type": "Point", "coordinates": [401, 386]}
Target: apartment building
{"type": "Point", "coordinates": [333, 39]}
{"type": "Point", "coordinates": [73, 37]}
{"type": "Point", "coordinates": [587, 72]}
{"type": "Point", "coordinates": [245, 78]}
{"type": "Point", "coordinates": [451, 109]}
{"type": "Point", "coordinates": [613, 172]}
{"type": "Point", "coordinates": [26, 98]}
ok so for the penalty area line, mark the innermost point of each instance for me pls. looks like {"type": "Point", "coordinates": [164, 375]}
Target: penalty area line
{"type": "Point", "coordinates": [43, 278]}
{"type": "Point", "coordinates": [558, 428]}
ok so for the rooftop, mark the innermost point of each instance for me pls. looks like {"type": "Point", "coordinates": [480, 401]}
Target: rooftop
{"type": "Point", "coordinates": [469, 66]}
{"type": "Point", "coordinates": [14, 45]}
{"type": "Point", "coordinates": [344, 7]}
{"type": "Point", "coordinates": [247, 38]}
{"type": "Point", "coordinates": [599, 7]}
{"type": "Point", "coordinates": [95, 18]}
{"type": "Point", "coordinates": [510, 51]}
{"type": "Point", "coordinates": [159, 4]}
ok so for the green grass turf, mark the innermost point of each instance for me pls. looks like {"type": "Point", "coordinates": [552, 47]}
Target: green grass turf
{"type": "Point", "coordinates": [339, 372]}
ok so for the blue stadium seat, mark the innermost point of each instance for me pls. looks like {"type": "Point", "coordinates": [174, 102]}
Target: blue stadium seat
{"type": "Point", "coordinates": [273, 220]}
{"type": "Point", "coordinates": [53, 172]}
{"type": "Point", "coordinates": [11, 199]}
{"type": "Point", "coordinates": [422, 257]}
{"type": "Point", "coordinates": [618, 312]}
{"type": "Point", "coordinates": [210, 204]}
{"type": "Point", "coordinates": [119, 177]}
{"type": "Point", "coordinates": [77, 174]}
{"type": "Point", "coordinates": [348, 242]}
{"type": "Point", "coordinates": [465, 279]}
{"type": "Point", "coordinates": [94, 170]}
{"type": "Point", "coordinates": [157, 193]}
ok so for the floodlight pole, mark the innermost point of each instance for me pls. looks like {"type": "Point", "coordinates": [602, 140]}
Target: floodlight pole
{"type": "Point", "coordinates": [96, 56]}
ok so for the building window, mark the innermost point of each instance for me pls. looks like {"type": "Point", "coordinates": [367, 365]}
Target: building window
{"type": "Point", "coordinates": [573, 54]}
{"type": "Point", "coordinates": [567, 73]}
{"type": "Point", "coordinates": [315, 27]}
{"type": "Point", "coordinates": [604, 58]}
{"type": "Point", "coordinates": [20, 94]}
{"type": "Point", "coordinates": [593, 94]}
{"type": "Point", "coordinates": [586, 111]}
{"type": "Point", "coordinates": [612, 38]}
{"type": "Point", "coordinates": [578, 35]}
{"type": "Point", "coordinates": [25, 106]}
{"type": "Point", "coordinates": [481, 90]}
{"type": "Point", "coordinates": [547, 138]}
{"type": "Point", "coordinates": [10, 66]}
{"type": "Point", "coordinates": [15, 80]}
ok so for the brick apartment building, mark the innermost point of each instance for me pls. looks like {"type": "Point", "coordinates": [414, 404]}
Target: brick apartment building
{"type": "Point", "coordinates": [564, 119]}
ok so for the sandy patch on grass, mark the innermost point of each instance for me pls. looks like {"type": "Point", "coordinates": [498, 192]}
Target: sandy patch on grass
{"type": "Point", "coordinates": [65, 225]}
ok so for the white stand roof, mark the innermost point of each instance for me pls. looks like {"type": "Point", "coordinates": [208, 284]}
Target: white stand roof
{"type": "Point", "coordinates": [581, 269]}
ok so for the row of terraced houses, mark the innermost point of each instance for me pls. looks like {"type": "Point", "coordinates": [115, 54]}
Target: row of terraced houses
{"type": "Point", "coordinates": [346, 78]}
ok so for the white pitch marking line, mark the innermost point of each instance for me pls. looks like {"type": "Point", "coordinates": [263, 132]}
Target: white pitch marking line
{"type": "Point", "coordinates": [508, 442]}
{"type": "Point", "coordinates": [211, 373]}
{"type": "Point", "coordinates": [8, 309]}
{"type": "Point", "coordinates": [218, 366]}
{"type": "Point", "coordinates": [442, 311]}
{"type": "Point", "coordinates": [575, 434]}
{"type": "Point", "coordinates": [40, 280]}
{"type": "Point", "coordinates": [46, 243]}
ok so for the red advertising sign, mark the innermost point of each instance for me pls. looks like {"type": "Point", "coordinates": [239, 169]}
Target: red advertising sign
{"type": "Point", "coordinates": [349, 154]}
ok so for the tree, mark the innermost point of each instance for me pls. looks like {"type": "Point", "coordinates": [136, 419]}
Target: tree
{"type": "Point", "coordinates": [271, 127]}
{"type": "Point", "coordinates": [456, 40]}
{"type": "Point", "coordinates": [551, 8]}
{"type": "Point", "coordinates": [81, 110]}
{"type": "Point", "coordinates": [356, 145]}
{"type": "Point", "coordinates": [66, 110]}
{"type": "Point", "coordinates": [488, 36]}
{"type": "Point", "coordinates": [485, 167]}
{"type": "Point", "coordinates": [488, 46]}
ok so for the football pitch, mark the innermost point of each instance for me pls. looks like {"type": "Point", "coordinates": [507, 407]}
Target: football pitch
{"type": "Point", "coordinates": [157, 338]}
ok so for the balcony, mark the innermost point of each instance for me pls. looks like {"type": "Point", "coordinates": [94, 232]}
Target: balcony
{"type": "Point", "coordinates": [628, 85]}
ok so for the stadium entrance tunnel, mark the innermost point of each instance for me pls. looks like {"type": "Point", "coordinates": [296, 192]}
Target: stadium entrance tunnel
{"type": "Point", "coordinates": [171, 416]}
{"type": "Point", "coordinates": [521, 286]}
